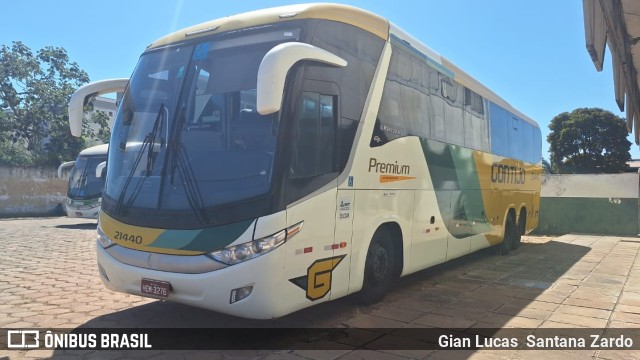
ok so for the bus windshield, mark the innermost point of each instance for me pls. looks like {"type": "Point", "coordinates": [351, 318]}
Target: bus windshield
{"type": "Point", "coordinates": [188, 136]}
{"type": "Point", "coordinates": [83, 183]}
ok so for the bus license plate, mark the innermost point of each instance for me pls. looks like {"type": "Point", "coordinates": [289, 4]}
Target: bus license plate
{"type": "Point", "coordinates": [155, 288]}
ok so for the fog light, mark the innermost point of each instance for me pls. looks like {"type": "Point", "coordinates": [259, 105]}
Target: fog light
{"type": "Point", "coordinates": [240, 293]}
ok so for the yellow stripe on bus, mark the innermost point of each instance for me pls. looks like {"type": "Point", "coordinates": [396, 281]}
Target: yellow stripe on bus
{"type": "Point", "coordinates": [393, 178]}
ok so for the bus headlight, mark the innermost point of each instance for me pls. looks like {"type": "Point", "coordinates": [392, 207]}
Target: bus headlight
{"type": "Point", "coordinates": [103, 239]}
{"type": "Point", "coordinates": [242, 252]}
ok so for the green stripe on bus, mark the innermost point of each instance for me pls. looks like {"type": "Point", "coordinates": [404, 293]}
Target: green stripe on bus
{"type": "Point", "coordinates": [455, 180]}
{"type": "Point", "coordinates": [203, 240]}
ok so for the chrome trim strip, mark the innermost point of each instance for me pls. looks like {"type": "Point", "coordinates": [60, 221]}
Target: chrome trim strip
{"type": "Point", "coordinates": [183, 264]}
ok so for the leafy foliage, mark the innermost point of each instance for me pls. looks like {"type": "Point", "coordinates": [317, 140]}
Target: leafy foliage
{"type": "Point", "coordinates": [34, 92]}
{"type": "Point", "coordinates": [588, 140]}
{"type": "Point", "coordinates": [103, 132]}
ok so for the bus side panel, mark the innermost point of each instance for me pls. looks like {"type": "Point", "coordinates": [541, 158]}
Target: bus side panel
{"type": "Point", "coordinates": [534, 214]}
{"type": "Point", "coordinates": [310, 261]}
{"type": "Point", "coordinates": [374, 208]}
{"type": "Point", "coordinates": [342, 243]}
{"type": "Point", "coordinates": [506, 184]}
{"type": "Point", "coordinates": [458, 245]}
{"type": "Point", "coordinates": [429, 235]}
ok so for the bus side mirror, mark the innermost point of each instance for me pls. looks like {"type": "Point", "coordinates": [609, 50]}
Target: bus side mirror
{"type": "Point", "coordinates": [64, 166]}
{"type": "Point", "coordinates": [84, 94]}
{"type": "Point", "coordinates": [100, 168]}
{"type": "Point", "coordinates": [275, 65]}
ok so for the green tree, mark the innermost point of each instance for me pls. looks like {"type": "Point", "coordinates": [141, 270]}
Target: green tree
{"type": "Point", "coordinates": [95, 126]}
{"type": "Point", "coordinates": [588, 140]}
{"type": "Point", "coordinates": [34, 92]}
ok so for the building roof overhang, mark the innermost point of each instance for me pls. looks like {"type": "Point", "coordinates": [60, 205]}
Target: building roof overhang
{"type": "Point", "coordinates": [616, 23]}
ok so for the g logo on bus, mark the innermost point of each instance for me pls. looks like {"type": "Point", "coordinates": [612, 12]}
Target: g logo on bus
{"type": "Point", "coordinates": [317, 282]}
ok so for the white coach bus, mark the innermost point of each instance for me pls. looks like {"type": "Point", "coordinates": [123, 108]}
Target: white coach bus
{"type": "Point", "coordinates": [265, 162]}
{"type": "Point", "coordinates": [86, 180]}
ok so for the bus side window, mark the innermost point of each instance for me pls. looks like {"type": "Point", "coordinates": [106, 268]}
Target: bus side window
{"type": "Point", "coordinates": [314, 142]}
{"type": "Point", "coordinates": [515, 138]}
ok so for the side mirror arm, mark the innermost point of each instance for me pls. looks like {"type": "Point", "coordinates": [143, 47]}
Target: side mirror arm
{"type": "Point", "coordinates": [100, 168]}
{"type": "Point", "coordinates": [64, 166]}
{"type": "Point", "coordinates": [275, 65]}
{"type": "Point", "coordinates": [84, 93]}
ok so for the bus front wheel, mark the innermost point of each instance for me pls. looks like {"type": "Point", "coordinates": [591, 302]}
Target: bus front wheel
{"type": "Point", "coordinates": [379, 269]}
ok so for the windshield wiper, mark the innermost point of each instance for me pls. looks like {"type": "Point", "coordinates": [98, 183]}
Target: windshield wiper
{"type": "Point", "coordinates": [176, 155]}
{"type": "Point", "coordinates": [82, 180]}
{"type": "Point", "coordinates": [149, 144]}
{"type": "Point", "coordinates": [194, 196]}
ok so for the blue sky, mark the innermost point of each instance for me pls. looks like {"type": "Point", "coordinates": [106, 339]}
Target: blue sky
{"type": "Point", "coordinates": [531, 53]}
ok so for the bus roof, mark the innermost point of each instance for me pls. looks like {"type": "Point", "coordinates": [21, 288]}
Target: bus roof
{"type": "Point", "coordinates": [342, 13]}
{"type": "Point", "coordinates": [95, 150]}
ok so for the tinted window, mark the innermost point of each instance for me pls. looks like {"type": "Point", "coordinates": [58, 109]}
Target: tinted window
{"type": "Point", "coordinates": [418, 100]}
{"type": "Point", "coordinates": [405, 105]}
{"type": "Point", "coordinates": [83, 183]}
{"type": "Point", "coordinates": [499, 130]}
{"type": "Point", "coordinates": [515, 138]}
{"type": "Point", "coordinates": [362, 51]}
{"type": "Point", "coordinates": [537, 145]}
{"type": "Point", "coordinates": [449, 90]}
{"type": "Point", "coordinates": [314, 142]}
{"type": "Point", "coordinates": [473, 102]}
{"type": "Point", "coordinates": [527, 142]}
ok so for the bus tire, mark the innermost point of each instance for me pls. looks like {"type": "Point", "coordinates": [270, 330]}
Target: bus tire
{"type": "Point", "coordinates": [510, 234]}
{"type": "Point", "coordinates": [379, 269]}
{"type": "Point", "coordinates": [522, 222]}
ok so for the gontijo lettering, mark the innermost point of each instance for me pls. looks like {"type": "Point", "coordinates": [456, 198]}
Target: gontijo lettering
{"type": "Point", "coordinates": [388, 168]}
{"type": "Point", "coordinates": [505, 174]}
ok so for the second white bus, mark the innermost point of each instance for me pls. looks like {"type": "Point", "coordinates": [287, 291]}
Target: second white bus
{"type": "Point", "coordinates": [86, 180]}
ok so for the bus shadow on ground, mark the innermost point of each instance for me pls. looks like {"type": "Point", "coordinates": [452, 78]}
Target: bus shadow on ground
{"type": "Point", "coordinates": [79, 226]}
{"type": "Point", "coordinates": [479, 292]}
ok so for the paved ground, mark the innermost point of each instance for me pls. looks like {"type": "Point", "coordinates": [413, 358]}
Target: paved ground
{"type": "Point", "coordinates": [48, 279]}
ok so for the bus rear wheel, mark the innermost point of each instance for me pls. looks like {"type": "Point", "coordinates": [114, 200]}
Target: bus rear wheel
{"type": "Point", "coordinates": [510, 236]}
{"type": "Point", "coordinates": [522, 222]}
{"type": "Point", "coordinates": [379, 269]}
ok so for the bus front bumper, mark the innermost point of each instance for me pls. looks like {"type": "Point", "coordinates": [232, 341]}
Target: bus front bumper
{"type": "Point", "coordinates": [77, 212]}
{"type": "Point", "coordinates": [210, 290]}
